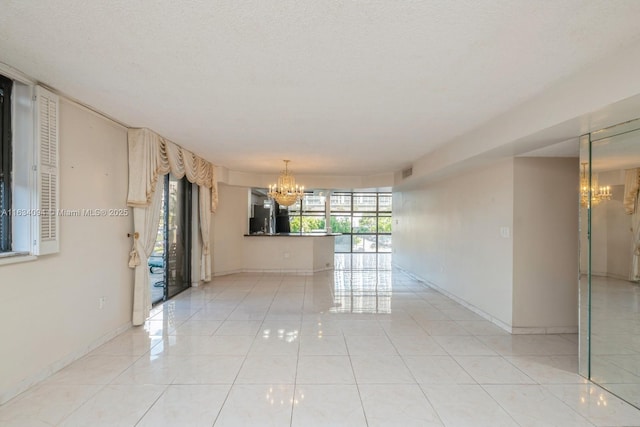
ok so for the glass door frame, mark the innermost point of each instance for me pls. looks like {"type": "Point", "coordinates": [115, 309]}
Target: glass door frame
{"type": "Point", "coordinates": [186, 200]}
{"type": "Point", "coordinates": [587, 285]}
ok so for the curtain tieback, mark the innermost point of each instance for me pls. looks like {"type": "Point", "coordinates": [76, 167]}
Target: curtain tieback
{"type": "Point", "coordinates": [134, 258]}
{"type": "Point", "coordinates": [637, 251]}
{"type": "Point", "coordinates": [206, 248]}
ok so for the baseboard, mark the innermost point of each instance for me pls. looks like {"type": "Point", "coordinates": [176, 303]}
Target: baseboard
{"type": "Point", "coordinates": [282, 272]}
{"type": "Point", "coordinates": [225, 273]}
{"type": "Point", "coordinates": [11, 392]}
{"type": "Point", "coordinates": [544, 331]}
{"type": "Point", "coordinates": [611, 276]}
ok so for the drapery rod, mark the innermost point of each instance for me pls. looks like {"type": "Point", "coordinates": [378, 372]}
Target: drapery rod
{"type": "Point", "coordinates": [135, 235]}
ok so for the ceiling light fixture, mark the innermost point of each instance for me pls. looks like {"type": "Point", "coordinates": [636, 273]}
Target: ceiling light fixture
{"type": "Point", "coordinates": [598, 194]}
{"type": "Point", "coordinates": [286, 192]}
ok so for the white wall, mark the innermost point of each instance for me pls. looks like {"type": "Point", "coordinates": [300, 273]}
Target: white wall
{"type": "Point", "coordinates": [502, 239]}
{"type": "Point", "coordinates": [228, 225]}
{"type": "Point", "coordinates": [545, 254]}
{"type": "Point", "coordinates": [50, 306]}
{"type": "Point", "coordinates": [448, 234]}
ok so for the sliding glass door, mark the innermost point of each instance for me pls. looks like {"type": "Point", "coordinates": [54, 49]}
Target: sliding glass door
{"type": "Point", "coordinates": [170, 262]}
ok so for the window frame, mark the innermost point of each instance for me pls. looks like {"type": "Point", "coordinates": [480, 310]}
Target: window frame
{"type": "Point", "coordinates": [33, 127]}
{"type": "Point", "coordinates": [6, 164]}
{"type": "Point", "coordinates": [356, 212]}
{"type": "Point", "coordinates": [302, 212]}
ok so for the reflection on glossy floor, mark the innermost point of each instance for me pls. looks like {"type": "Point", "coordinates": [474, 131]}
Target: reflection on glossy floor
{"type": "Point", "coordinates": [354, 347]}
{"type": "Point", "coordinates": [615, 337]}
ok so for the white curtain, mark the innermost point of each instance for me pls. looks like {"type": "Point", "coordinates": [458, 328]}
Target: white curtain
{"type": "Point", "coordinates": [205, 225]}
{"type": "Point", "coordinates": [631, 186]}
{"type": "Point", "coordinates": [151, 157]}
{"type": "Point", "coordinates": [635, 229]}
{"type": "Point", "coordinates": [632, 207]}
{"type": "Point", "coordinates": [146, 221]}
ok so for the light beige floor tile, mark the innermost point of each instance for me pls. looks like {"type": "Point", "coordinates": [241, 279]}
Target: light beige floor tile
{"type": "Point", "coordinates": [151, 370]}
{"type": "Point", "coordinates": [481, 327]}
{"type": "Point", "coordinates": [197, 327]}
{"type": "Point", "coordinates": [324, 370]}
{"type": "Point", "coordinates": [376, 369]}
{"type": "Point", "coordinates": [534, 405]}
{"type": "Point", "coordinates": [257, 406]}
{"type": "Point", "coordinates": [437, 370]}
{"type": "Point", "coordinates": [115, 405]}
{"type": "Point", "coordinates": [549, 369]}
{"type": "Point", "coordinates": [313, 327]}
{"type": "Point", "coordinates": [127, 345]}
{"type": "Point", "coordinates": [239, 327]}
{"type": "Point", "coordinates": [404, 327]}
{"type": "Point", "coordinates": [274, 345]}
{"type": "Point", "coordinates": [327, 405]}
{"type": "Point", "coordinates": [268, 369]}
{"type": "Point", "coordinates": [180, 405]}
{"type": "Point", "coordinates": [361, 328]}
{"type": "Point", "coordinates": [530, 345]}
{"type": "Point", "coordinates": [464, 346]}
{"type": "Point", "coordinates": [596, 404]}
{"type": "Point", "coordinates": [217, 369]}
{"type": "Point", "coordinates": [397, 405]}
{"type": "Point", "coordinates": [368, 345]}
{"type": "Point", "coordinates": [492, 370]}
{"type": "Point", "coordinates": [417, 345]}
{"type": "Point", "coordinates": [467, 405]}
{"type": "Point", "coordinates": [92, 370]}
{"type": "Point", "coordinates": [322, 345]}
{"type": "Point", "coordinates": [45, 404]}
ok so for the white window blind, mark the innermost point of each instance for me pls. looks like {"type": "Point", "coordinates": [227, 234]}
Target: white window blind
{"type": "Point", "coordinates": [46, 224]}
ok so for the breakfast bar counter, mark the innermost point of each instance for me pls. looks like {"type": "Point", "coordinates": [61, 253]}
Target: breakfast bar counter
{"type": "Point", "coordinates": [291, 253]}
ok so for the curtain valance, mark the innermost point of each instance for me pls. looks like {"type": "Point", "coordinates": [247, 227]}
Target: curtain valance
{"type": "Point", "coordinates": [151, 156]}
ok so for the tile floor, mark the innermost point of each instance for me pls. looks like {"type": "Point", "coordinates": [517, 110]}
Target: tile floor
{"type": "Point", "coordinates": [346, 348]}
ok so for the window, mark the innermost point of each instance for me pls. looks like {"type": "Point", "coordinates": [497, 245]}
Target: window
{"type": "Point", "coordinates": [364, 219]}
{"type": "Point", "coordinates": [6, 163]}
{"type": "Point", "coordinates": [308, 215]}
{"type": "Point", "coordinates": [29, 160]}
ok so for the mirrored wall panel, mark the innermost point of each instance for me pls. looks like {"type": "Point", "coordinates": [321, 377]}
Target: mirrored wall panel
{"type": "Point", "coordinates": [609, 264]}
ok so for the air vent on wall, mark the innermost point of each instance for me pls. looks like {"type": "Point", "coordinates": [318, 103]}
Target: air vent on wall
{"type": "Point", "coordinates": [406, 173]}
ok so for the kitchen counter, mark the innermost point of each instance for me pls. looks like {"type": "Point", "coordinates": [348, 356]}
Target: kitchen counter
{"type": "Point", "coordinates": [289, 253]}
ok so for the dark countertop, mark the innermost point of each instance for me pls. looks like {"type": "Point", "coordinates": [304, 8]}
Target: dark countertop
{"type": "Point", "coordinates": [292, 235]}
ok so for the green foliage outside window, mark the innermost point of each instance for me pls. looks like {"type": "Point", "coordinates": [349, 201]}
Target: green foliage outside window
{"type": "Point", "coordinates": [340, 224]}
{"type": "Point", "coordinates": [364, 224]}
{"type": "Point", "coordinates": [307, 223]}
{"type": "Point", "coordinates": [384, 224]}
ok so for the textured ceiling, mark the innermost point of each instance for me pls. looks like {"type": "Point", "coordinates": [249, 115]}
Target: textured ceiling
{"type": "Point", "coordinates": [339, 87]}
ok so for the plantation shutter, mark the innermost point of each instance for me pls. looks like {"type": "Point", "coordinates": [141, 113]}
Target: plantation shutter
{"type": "Point", "coordinates": [47, 225]}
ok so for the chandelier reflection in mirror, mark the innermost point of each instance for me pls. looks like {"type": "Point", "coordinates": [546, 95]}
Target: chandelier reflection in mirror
{"type": "Point", "coordinates": [598, 193]}
{"type": "Point", "coordinates": [286, 192]}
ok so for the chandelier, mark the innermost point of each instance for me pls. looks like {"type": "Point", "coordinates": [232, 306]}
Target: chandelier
{"type": "Point", "coordinates": [286, 192]}
{"type": "Point", "coordinates": [598, 194]}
